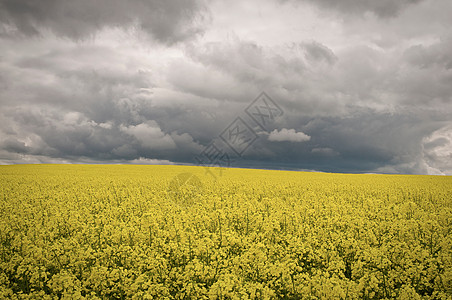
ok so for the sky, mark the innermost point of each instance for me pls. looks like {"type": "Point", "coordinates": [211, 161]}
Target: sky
{"type": "Point", "coordinates": [352, 86]}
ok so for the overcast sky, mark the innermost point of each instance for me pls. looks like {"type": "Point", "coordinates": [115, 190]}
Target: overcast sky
{"type": "Point", "coordinates": [362, 86]}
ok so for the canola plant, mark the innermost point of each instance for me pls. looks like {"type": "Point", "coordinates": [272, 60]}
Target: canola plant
{"type": "Point", "coordinates": [175, 232]}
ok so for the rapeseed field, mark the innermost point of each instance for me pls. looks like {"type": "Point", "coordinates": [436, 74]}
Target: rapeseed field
{"type": "Point", "coordinates": [174, 232]}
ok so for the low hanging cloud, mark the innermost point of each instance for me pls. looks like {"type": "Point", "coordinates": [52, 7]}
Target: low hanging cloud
{"type": "Point", "coordinates": [437, 150]}
{"type": "Point", "coordinates": [288, 135]}
{"type": "Point", "coordinates": [150, 136]}
{"type": "Point", "coordinates": [324, 151]}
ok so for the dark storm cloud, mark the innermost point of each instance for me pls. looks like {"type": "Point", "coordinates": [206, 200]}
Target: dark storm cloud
{"type": "Point", "coordinates": [362, 141]}
{"type": "Point", "coordinates": [350, 104]}
{"type": "Point", "coordinates": [69, 104]}
{"type": "Point", "coordinates": [362, 111]}
{"type": "Point", "coordinates": [381, 8]}
{"type": "Point", "coordinates": [318, 52]}
{"type": "Point", "coordinates": [437, 55]}
{"type": "Point", "coordinates": [167, 21]}
{"type": "Point", "coordinates": [54, 133]}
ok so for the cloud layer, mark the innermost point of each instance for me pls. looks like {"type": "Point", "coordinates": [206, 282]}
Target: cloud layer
{"type": "Point", "coordinates": [167, 21]}
{"type": "Point", "coordinates": [364, 87]}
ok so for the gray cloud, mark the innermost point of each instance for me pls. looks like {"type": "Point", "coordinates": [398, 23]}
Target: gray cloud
{"type": "Point", "coordinates": [382, 8]}
{"type": "Point", "coordinates": [167, 21]}
{"type": "Point", "coordinates": [437, 55]}
{"type": "Point", "coordinates": [317, 52]}
{"type": "Point", "coordinates": [121, 99]}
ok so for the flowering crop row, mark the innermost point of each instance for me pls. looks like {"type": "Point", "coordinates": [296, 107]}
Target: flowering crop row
{"type": "Point", "coordinates": [119, 232]}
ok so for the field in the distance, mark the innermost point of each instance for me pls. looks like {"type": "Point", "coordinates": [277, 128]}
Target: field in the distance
{"type": "Point", "coordinates": [143, 232]}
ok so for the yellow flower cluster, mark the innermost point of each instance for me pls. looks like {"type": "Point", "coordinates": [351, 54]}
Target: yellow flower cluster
{"type": "Point", "coordinates": [148, 232]}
